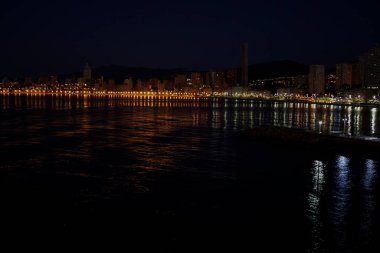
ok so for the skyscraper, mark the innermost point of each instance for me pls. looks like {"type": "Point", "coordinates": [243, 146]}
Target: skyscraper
{"type": "Point", "coordinates": [196, 80]}
{"type": "Point", "coordinates": [231, 77]}
{"type": "Point", "coordinates": [220, 80]}
{"type": "Point", "coordinates": [244, 64]}
{"type": "Point", "coordinates": [180, 81]}
{"type": "Point", "coordinates": [87, 73]}
{"type": "Point", "coordinates": [369, 67]}
{"type": "Point", "coordinates": [344, 75]}
{"type": "Point", "coordinates": [316, 79]}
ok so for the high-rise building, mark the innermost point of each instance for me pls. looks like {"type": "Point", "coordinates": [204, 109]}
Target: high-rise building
{"type": "Point", "coordinates": [99, 83]}
{"type": "Point", "coordinates": [128, 84]}
{"type": "Point", "coordinates": [220, 80]}
{"type": "Point", "coordinates": [87, 73]}
{"type": "Point", "coordinates": [210, 79]}
{"type": "Point", "coordinates": [111, 85]}
{"type": "Point", "coordinates": [344, 76]}
{"type": "Point", "coordinates": [160, 86]}
{"type": "Point", "coordinates": [356, 74]}
{"type": "Point", "coordinates": [231, 77]}
{"type": "Point", "coordinates": [180, 81]}
{"type": "Point", "coordinates": [53, 80]}
{"type": "Point", "coordinates": [244, 64]}
{"type": "Point", "coordinates": [316, 79]}
{"type": "Point", "coordinates": [196, 80]}
{"type": "Point", "coordinates": [369, 68]}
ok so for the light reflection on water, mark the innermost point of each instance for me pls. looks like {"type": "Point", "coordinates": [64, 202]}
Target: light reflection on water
{"type": "Point", "coordinates": [133, 141]}
{"type": "Point", "coordinates": [373, 120]}
{"type": "Point", "coordinates": [369, 203]}
{"type": "Point", "coordinates": [356, 121]}
{"type": "Point", "coordinates": [314, 208]}
{"type": "Point", "coordinates": [347, 202]}
{"type": "Point", "coordinates": [341, 195]}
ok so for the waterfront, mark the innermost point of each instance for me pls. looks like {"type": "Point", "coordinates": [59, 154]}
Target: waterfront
{"type": "Point", "coordinates": [147, 165]}
{"type": "Point", "coordinates": [359, 121]}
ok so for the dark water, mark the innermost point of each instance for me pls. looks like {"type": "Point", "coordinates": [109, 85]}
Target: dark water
{"type": "Point", "coordinates": [180, 176]}
{"type": "Point", "coordinates": [354, 121]}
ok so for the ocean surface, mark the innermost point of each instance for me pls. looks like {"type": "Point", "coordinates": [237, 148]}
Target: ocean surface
{"type": "Point", "coordinates": [179, 174]}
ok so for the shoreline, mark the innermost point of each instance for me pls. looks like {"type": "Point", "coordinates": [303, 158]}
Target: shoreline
{"type": "Point", "coordinates": [305, 102]}
{"type": "Point", "coordinates": [141, 95]}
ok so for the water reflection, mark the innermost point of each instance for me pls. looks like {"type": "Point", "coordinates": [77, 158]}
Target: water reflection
{"type": "Point", "coordinates": [177, 150]}
{"type": "Point", "coordinates": [342, 195]}
{"type": "Point", "coordinates": [356, 121]}
{"type": "Point", "coordinates": [342, 191]}
{"type": "Point", "coordinates": [369, 183]}
{"type": "Point", "coordinates": [373, 120]}
{"type": "Point", "coordinates": [314, 199]}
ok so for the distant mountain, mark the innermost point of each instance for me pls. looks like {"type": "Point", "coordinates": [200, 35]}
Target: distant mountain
{"type": "Point", "coordinates": [277, 69]}
{"type": "Point", "coordinates": [256, 71]}
{"type": "Point", "coordinates": [119, 73]}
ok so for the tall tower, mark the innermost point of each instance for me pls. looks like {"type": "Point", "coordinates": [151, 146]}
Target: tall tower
{"type": "Point", "coordinates": [87, 73]}
{"type": "Point", "coordinates": [244, 64]}
{"type": "Point", "coordinates": [343, 75]}
{"type": "Point", "coordinates": [370, 68]}
{"type": "Point", "coordinates": [316, 79]}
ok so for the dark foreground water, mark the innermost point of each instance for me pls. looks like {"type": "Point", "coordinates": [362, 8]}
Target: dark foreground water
{"type": "Point", "coordinates": [184, 178]}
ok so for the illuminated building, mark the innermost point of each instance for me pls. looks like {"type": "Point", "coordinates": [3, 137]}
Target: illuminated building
{"type": "Point", "coordinates": [180, 81]}
{"type": "Point", "coordinates": [343, 76]}
{"type": "Point", "coordinates": [196, 80]}
{"type": "Point", "coordinates": [369, 68]}
{"type": "Point", "coordinates": [128, 84]}
{"type": "Point", "coordinates": [54, 80]}
{"type": "Point", "coordinates": [220, 81]}
{"type": "Point", "coordinates": [111, 85]}
{"type": "Point", "coordinates": [316, 79]}
{"type": "Point", "coordinates": [160, 86]}
{"type": "Point", "coordinates": [210, 79]}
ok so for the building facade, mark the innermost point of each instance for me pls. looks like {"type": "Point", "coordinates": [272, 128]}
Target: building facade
{"type": "Point", "coordinates": [87, 73]}
{"type": "Point", "coordinates": [344, 74]}
{"type": "Point", "coordinates": [369, 68]}
{"type": "Point", "coordinates": [316, 79]}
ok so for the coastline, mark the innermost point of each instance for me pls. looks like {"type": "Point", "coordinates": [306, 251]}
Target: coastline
{"type": "Point", "coordinates": [185, 96]}
{"type": "Point", "coordinates": [306, 102]}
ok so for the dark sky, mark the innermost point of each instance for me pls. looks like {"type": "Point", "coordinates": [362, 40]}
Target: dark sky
{"type": "Point", "coordinates": [56, 37]}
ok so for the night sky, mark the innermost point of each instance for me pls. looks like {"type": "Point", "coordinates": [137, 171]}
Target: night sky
{"type": "Point", "coordinates": [58, 37]}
